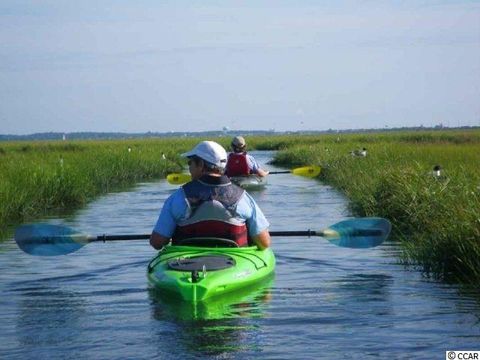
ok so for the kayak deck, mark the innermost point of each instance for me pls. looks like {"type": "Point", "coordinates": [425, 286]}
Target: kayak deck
{"type": "Point", "coordinates": [199, 273]}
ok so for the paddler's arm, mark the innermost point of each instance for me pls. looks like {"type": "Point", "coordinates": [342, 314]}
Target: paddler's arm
{"type": "Point", "coordinates": [173, 208]}
{"type": "Point", "coordinates": [158, 241]}
{"type": "Point", "coordinates": [254, 167]}
{"type": "Point", "coordinates": [257, 224]}
{"type": "Point", "coordinates": [262, 240]}
{"type": "Point", "coordinates": [262, 173]}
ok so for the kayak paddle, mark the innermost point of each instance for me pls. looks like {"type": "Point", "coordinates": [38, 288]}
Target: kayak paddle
{"type": "Point", "coordinates": [308, 171]}
{"type": "Point", "coordinates": [50, 240]}
{"type": "Point", "coordinates": [360, 233]}
{"type": "Point", "coordinates": [178, 179]}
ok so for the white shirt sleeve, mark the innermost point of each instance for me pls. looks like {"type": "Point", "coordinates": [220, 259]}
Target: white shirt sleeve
{"type": "Point", "coordinates": [173, 210]}
{"type": "Point", "coordinates": [252, 164]}
{"type": "Point", "coordinates": [248, 209]}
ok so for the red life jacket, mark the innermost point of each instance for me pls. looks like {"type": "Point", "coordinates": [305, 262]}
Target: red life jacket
{"type": "Point", "coordinates": [237, 165]}
{"type": "Point", "coordinates": [212, 212]}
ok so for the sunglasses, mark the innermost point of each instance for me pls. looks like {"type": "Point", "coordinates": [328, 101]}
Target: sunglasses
{"type": "Point", "coordinates": [193, 160]}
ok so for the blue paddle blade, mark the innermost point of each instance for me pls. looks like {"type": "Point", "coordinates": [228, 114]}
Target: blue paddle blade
{"type": "Point", "coordinates": [48, 239]}
{"type": "Point", "coordinates": [359, 233]}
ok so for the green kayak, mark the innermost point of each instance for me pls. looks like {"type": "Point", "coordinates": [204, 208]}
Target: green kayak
{"type": "Point", "coordinates": [247, 300]}
{"type": "Point", "coordinates": [250, 182]}
{"type": "Point", "coordinates": [197, 273]}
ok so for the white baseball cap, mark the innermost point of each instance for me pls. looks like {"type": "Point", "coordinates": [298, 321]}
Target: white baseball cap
{"type": "Point", "coordinates": [211, 152]}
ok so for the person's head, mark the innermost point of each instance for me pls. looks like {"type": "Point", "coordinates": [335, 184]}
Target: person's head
{"type": "Point", "coordinates": [238, 144]}
{"type": "Point", "coordinates": [206, 157]}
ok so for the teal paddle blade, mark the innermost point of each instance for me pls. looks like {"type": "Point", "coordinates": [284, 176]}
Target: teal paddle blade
{"type": "Point", "coordinates": [48, 239]}
{"type": "Point", "coordinates": [359, 233]}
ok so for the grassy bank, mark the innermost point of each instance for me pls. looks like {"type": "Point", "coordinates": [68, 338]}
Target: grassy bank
{"type": "Point", "coordinates": [436, 218]}
{"type": "Point", "coordinates": [38, 178]}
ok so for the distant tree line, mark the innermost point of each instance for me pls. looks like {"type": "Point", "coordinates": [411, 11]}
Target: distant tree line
{"type": "Point", "coordinates": [149, 134]}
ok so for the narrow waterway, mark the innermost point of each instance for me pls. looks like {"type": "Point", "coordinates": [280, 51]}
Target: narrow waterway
{"type": "Point", "coordinates": [324, 302]}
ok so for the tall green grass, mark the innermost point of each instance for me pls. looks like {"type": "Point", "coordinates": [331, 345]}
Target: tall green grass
{"type": "Point", "coordinates": [38, 178]}
{"type": "Point", "coordinates": [437, 219]}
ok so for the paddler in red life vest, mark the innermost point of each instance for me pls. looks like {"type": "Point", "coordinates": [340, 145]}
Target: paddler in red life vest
{"type": "Point", "coordinates": [240, 163]}
{"type": "Point", "coordinates": [210, 205]}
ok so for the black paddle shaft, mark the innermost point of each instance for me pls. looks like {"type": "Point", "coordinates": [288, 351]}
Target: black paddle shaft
{"type": "Point", "coordinates": [147, 236]}
{"type": "Point", "coordinates": [353, 232]}
{"type": "Point", "coordinates": [294, 233]}
{"type": "Point", "coordinates": [120, 237]}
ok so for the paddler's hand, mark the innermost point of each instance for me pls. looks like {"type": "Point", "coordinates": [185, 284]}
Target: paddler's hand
{"type": "Point", "coordinates": [262, 240]}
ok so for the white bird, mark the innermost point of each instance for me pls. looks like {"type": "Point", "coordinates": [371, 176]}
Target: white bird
{"type": "Point", "coordinates": [362, 152]}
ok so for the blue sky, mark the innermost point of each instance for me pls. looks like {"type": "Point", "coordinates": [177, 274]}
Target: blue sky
{"type": "Point", "coordinates": [146, 65]}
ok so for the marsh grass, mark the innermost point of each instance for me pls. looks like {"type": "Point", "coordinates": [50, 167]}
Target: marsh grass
{"type": "Point", "coordinates": [38, 178]}
{"type": "Point", "coordinates": [436, 219]}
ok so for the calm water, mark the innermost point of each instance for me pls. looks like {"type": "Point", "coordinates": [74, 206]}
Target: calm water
{"type": "Point", "coordinates": [324, 301]}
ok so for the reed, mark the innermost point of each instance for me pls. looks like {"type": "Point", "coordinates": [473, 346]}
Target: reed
{"type": "Point", "coordinates": [437, 218]}
{"type": "Point", "coordinates": [39, 178]}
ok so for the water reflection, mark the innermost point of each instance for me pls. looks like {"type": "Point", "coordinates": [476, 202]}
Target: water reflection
{"type": "Point", "coordinates": [217, 326]}
{"type": "Point", "coordinates": [47, 316]}
{"type": "Point", "coordinates": [366, 286]}
{"type": "Point", "coordinates": [365, 295]}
